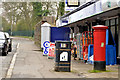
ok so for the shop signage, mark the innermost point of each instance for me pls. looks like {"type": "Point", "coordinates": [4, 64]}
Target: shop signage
{"type": "Point", "coordinates": [46, 45]}
{"type": "Point", "coordinates": [64, 21]}
{"type": "Point", "coordinates": [51, 50]}
{"type": "Point", "coordinates": [86, 12]}
{"type": "Point", "coordinates": [109, 4]}
{"type": "Point", "coordinates": [96, 8]}
{"type": "Point", "coordinates": [71, 5]}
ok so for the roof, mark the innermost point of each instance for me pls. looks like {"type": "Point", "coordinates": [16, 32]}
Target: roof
{"type": "Point", "coordinates": [46, 24]}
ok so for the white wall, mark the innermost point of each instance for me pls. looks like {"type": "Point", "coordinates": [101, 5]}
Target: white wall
{"type": "Point", "coordinates": [45, 33]}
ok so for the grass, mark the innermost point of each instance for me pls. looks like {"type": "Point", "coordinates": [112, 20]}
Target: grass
{"type": "Point", "coordinates": [98, 71]}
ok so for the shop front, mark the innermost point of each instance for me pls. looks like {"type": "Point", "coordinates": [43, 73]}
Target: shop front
{"type": "Point", "coordinates": [95, 14]}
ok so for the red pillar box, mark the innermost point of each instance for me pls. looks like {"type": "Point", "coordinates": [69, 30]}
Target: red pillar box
{"type": "Point", "coordinates": [100, 47]}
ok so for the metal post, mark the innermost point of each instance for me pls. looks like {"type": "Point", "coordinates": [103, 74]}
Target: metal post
{"type": "Point", "coordinates": [119, 37]}
{"type": "Point", "coordinates": [11, 25]}
{"type": "Point", "coordinates": [11, 29]}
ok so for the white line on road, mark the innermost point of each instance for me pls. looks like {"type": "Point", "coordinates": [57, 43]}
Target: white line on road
{"type": "Point", "coordinates": [12, 64]}
{"type": "Point", "coordinates": [18, 45]}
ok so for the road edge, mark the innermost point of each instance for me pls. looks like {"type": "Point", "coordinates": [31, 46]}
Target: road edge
{"type": "Point", "coordinates": [12, 64]}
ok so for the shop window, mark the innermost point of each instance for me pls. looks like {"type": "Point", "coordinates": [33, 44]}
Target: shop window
{"type": "Point", "coordinates": [117, 21]}
{"type": "Point", "coordinates": [113, 31]}
{"type": "Point", "coordinates": [112, 22]}
{"type": "Point", "coordinates": [107, 23]}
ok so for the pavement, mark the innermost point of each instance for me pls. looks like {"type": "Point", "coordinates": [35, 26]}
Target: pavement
{"type": "Point", "coordinates": [30, 63]}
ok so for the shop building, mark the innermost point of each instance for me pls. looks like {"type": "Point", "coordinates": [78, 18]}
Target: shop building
{"type": "Point", "coordinates": [91, 13]}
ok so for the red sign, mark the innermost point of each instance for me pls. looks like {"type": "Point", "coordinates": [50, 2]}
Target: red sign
{"type": "Point", "coordinates": [51, 50]}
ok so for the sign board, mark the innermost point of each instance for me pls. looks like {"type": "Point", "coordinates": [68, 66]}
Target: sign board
{"type": "Point", "coordinates": [63, 45]}
{"type": "Point", "coordinates": [86, 12]}
{"type": "Point", "coordinates": [108, 4]}
{"type": "Point", "coordinates": [51, 50]}
{"type": "Point", "coordinates": [71, 5]}
{"type": "Point", "coordinates": [64, 22]}
{"type": "Point", "coordinates": [96, 8]}
{"type": "Point", "coordinates": [61, 33]}
{"type": "Point", "coordinates": [46, 46]}
{"type": "Point", "coordinates": [64, 56]}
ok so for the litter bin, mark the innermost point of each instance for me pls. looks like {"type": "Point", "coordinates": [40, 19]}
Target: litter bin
{"type": "Point", "coordinates": [62, 56]}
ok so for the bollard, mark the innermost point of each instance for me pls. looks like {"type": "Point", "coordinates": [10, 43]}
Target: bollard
{"type": "Point", "coordinates": [100, 47]}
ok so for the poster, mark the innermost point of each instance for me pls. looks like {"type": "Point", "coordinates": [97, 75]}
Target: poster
{"type": "Point", "coordinates": [64, 56]}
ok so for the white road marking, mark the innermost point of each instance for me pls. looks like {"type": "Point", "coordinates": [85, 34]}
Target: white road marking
{"type": "Point", "coordinates": [12, 64]}
{"type": "Point", "coordinates": [18, 45]}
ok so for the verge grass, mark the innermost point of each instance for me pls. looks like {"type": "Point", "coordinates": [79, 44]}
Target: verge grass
{"type": "Point", "coordinates": [98, 71]}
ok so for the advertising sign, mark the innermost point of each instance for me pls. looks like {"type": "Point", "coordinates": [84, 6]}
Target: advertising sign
{"type": "Point", "coordinates": [51, 50]}
{"type": "Point", "coordinates": [86, 12]}
{"type": "Point", "coordinates": [71, 5]}
{"type": "Point", "coordinates": [109, 4]}
{"type": "Point", "coordinates": [64, 56]}
{"type": "Point", "coordinates": [46, 46]}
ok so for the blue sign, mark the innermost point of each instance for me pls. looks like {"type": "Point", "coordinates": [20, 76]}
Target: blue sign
{"type": "Point", "coordinates": [46, 45]}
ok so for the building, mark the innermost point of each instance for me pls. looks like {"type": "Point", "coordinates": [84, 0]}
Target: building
{"type": "Point", "coordinates": [91, 13]}
{"type": "Point", "coordinates": [37, 30]}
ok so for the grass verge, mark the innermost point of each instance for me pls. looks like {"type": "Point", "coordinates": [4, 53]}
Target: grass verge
{"type": "Point", "coordinates": [98, 71]}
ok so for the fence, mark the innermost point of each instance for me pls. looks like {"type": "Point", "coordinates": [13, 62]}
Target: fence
{"type": "Point", "coordinates": [22, 33]}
